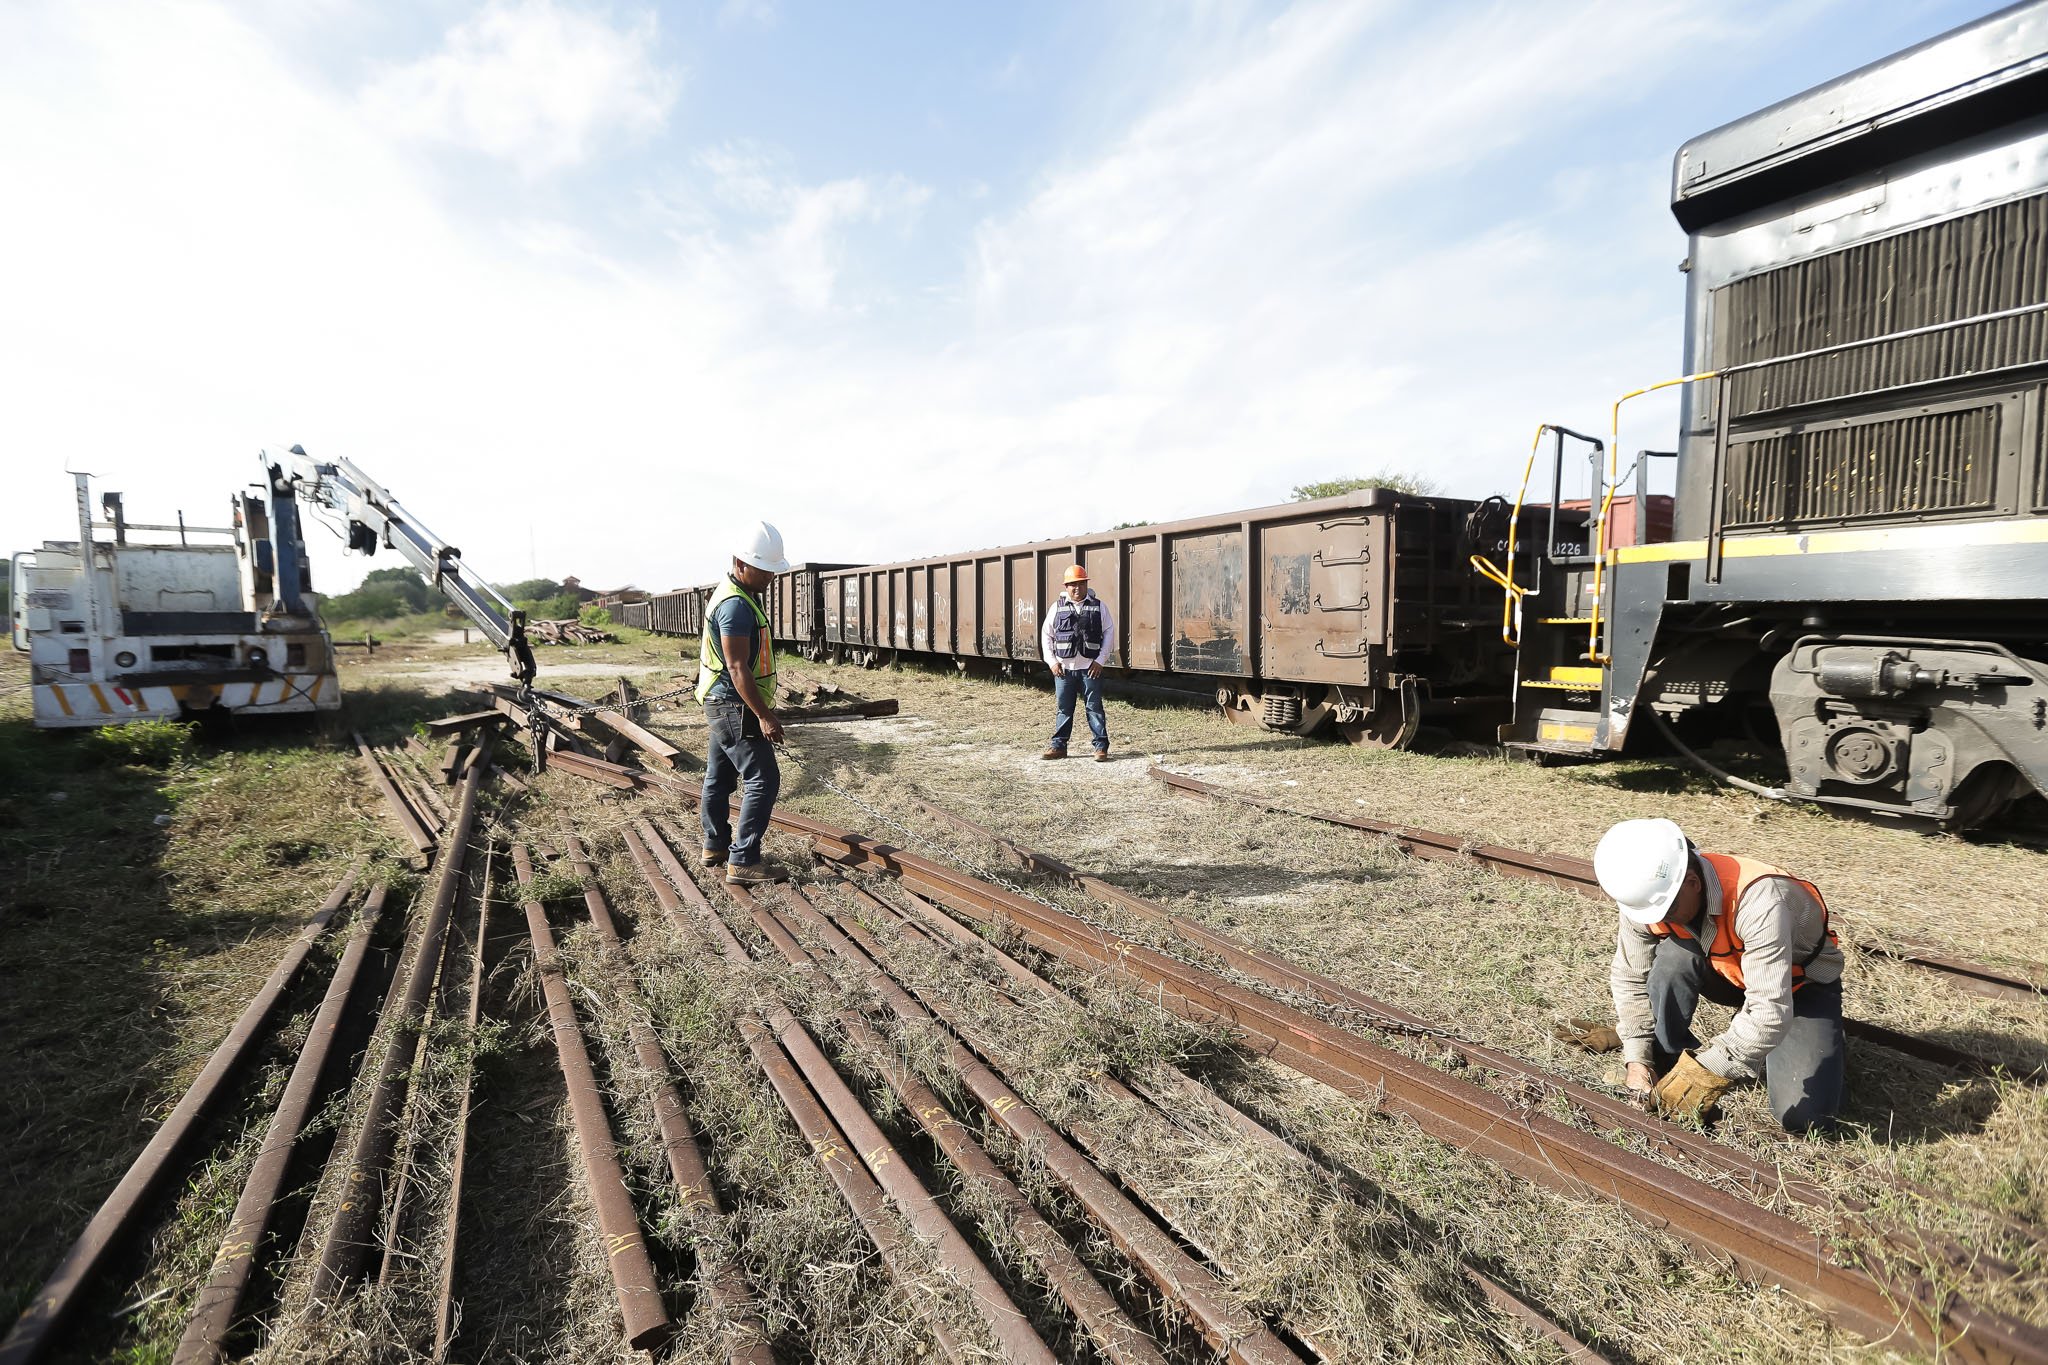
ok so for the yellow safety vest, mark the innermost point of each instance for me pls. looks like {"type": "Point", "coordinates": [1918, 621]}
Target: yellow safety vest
{"type": "Point", "coordinates": [708, 670]}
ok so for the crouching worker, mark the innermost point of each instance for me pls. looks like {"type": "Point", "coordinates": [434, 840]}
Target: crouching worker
{"type": "Point", "coordinates": [735, 684]}
{"type": "Point", "coordinates": [1743, 934]}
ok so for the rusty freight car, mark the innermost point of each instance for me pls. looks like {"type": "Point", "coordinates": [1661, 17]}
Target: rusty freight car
{"type": "Point", "coordinates": [680, 612]}
{"type": "Point", "coordinates": [1353, 612]}
{"type": "Point", "coordinates": [792, 603]}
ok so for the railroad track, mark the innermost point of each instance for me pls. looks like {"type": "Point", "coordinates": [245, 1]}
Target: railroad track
{"type": "Point", "coordinates": [1876, 1303]}
{"type": "Point", "coordinates": [2028, 982]}
{"type": "Point", "coordinates": [872, 903]}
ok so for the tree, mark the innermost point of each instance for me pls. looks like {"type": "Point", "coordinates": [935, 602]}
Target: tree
{"type": "Point", "coordinates": [531, 588]}
{"type": "Point", "coordinates": [407, 583]}
{"type": "Point", "coordinates": [1392, 479]}
{"type": "Point", "coordinates": [1129, 525]}
{"type": "Point", "coordinates": [560, 607]}
{"type": "Point", "coordinates": [372, 602]}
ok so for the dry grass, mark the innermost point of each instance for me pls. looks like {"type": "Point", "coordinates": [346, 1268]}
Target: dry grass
{"type": "Point", "coordinates": [1367, 1265]}
{"type": "Point", "coordinates": [1500, 958]}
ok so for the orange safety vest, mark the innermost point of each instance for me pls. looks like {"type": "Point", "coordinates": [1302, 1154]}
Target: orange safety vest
{"type": "Point", "coordinates": [1736, 876]}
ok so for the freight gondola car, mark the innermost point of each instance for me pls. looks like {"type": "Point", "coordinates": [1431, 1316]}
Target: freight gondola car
{"type": "Point", "coordinates": [632, 615]}
{"type": "Point", "coordinates": [1353, 611]}
{"type": "Point", "coordinates": [680, 612]}
{"type": "Point", "coordinates": [792, 603]}
{"type": "Point", "coordinates": [1860, 568]}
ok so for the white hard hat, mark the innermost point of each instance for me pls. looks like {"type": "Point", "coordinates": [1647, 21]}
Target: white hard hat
{"type": "Point", "coordinates": [761, 546]}
{"type": "Point", "coordinates": [1642, 864]}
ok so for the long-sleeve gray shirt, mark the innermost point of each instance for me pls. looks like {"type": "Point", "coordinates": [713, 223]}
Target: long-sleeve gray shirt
{"type": "Point", "coordinates": [1779, 922]}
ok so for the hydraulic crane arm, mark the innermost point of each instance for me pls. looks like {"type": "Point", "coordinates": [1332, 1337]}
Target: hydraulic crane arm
{"type": "Point", "coordinates": [376, 518]}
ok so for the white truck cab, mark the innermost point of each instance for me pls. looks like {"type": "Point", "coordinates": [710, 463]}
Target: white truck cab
{"type": "Point", "coordinates": [124, 630]}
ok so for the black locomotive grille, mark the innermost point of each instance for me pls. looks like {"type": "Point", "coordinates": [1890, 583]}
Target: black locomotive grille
{"type": "Point", "coordinates": [1980, 263]}
{"type": "Point", "coordinates": [1941, 462]}
{"type": "Point", "coordinates": [2041, 463]}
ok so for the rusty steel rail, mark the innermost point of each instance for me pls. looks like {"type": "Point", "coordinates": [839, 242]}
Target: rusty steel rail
{"type": "Point", "coordinates": [1275, 971]}
{"type": "Point", "coordinates": [1183, 1279]}
{"type": "Point", "coordinates": [402, 1164]}
{"type": "Point", "coordinates": [855, 1183]}
{"type": "Point", "coordinates": [1576, 874]}
{"type": "Point", "coordinates": [347, 1243]}
{"type": "Point", "coordinates": [1763, 1245]}
{"type": "Point", "coordinates": [835, 1155]}
{"type": "Point", "coordinates": [646, 1320]}
{"type": "Point", "coordinates": [408, 821]}
{"type": "Point", "coordinates": [1120, 1338]}
{"type": "Point", "coordinates": [1011, 1330]}
{"type": "Point", "coordinates": [415, 776]}
{"type": "Point", "coordinates": [1098, 1311]}
{"type": "Point", "coordinates": [117, 1217]}
{"type": "Point", "coordinates": [745, 1335]}
{"type": "Point", "coordinates": [213, 1315]}
{"type": "Point", "coordinates": [1497, 1293]}
{"type": "Point", "coordinates": [444, 1301]}
{"type": "Point", "coordinates": [1279, 972]}
{"type": "Point", "coordinates": [1013, 1333]}
{"type": "Point", "coordinates": [863, 710]}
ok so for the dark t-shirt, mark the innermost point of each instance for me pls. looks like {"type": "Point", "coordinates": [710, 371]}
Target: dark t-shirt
{"type": "Point", "coordinates": [733, 616]}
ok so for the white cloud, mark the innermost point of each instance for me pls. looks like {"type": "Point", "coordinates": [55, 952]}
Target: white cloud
{"type": "Point", "coordinates": [536, 83]}
{"type": "Point", "coordinates": [1245, 285]}
{"type": "Point", "coordinates": [735, 13]}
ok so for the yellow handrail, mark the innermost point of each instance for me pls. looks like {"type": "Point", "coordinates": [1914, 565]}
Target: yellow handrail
{"type": "Point", "coordinates": [1511, 596]}
{"type": "Point", "coordinates": [1607, 503]}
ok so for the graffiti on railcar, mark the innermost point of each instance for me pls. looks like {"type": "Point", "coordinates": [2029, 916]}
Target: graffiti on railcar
{"type": "Point", "coordinates": [990, 620]}
{"type": "Point", "coordinates": [1209, 603]}
{"type": "Point", "coordinates": [1290, 583]}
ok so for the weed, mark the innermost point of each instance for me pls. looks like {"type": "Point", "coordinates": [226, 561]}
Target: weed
{"type": "Point", "coordinates": [145, 743]}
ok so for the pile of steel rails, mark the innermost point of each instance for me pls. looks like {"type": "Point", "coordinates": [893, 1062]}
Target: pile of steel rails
{"type": "Point", "coordinates": [371, 1172]}
{"type": "Point", "coordinates": [1308, 1022]}
{"type": "Point", "coordinates": [852, 922]}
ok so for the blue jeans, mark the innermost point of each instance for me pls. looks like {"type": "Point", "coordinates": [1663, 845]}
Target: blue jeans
{"type": "Point", "coordinates": [1066, 688]}
{"type": "Point", "coordinates": [741, 759]}
{"type": "Point", "coordinates": [1804, 1073]}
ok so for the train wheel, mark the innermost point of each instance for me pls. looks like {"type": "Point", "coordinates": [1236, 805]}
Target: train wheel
{"type": "Point", "coordinates": [1383, 727]}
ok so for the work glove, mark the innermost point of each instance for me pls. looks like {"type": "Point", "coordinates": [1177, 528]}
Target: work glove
{"type": "Point", "coordinates": [1589, 1034]}
{"type": "Point", "coordinates": [1689, 1090]}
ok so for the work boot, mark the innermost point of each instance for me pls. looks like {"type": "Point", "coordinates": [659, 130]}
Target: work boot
{"type": "Point", "coordinates": [1054, 753]}
{"type": "Point", "coordinates": [1102, 755]}
{"type": "Point", "coordinates": [752, 874]}
{"type": "Point", "coordinates": [714, 857]}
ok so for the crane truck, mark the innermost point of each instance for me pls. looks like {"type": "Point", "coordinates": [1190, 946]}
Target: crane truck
{"type": "Point", "coordinates": [224, 621]}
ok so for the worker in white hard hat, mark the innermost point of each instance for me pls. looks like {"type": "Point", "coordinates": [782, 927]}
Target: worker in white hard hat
{"type": "Point", "coordinates": [1078, 634]}
{"type": "Point", "coordinates": [1740, 933]}
{"type": "Point", "coordinates": [735, 684]}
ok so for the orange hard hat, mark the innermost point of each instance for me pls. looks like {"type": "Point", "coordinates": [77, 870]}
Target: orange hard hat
{"type": "Point", "coordinates": [1076, 574]}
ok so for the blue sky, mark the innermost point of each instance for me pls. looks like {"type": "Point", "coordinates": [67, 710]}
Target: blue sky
{"type": "Point", "coordinates": [588, 285]}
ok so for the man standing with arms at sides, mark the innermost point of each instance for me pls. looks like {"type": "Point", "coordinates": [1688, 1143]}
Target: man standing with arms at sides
{"type": "Point", "coordinates": [735, 683]}
{"type": "Point", "coordinates": [1741, 933]}
{"type": "Point", "coordinates": [1077, 636]}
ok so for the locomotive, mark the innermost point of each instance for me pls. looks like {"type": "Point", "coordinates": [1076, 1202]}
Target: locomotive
{"type": "Point", "coordinates": [1859, 562]}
